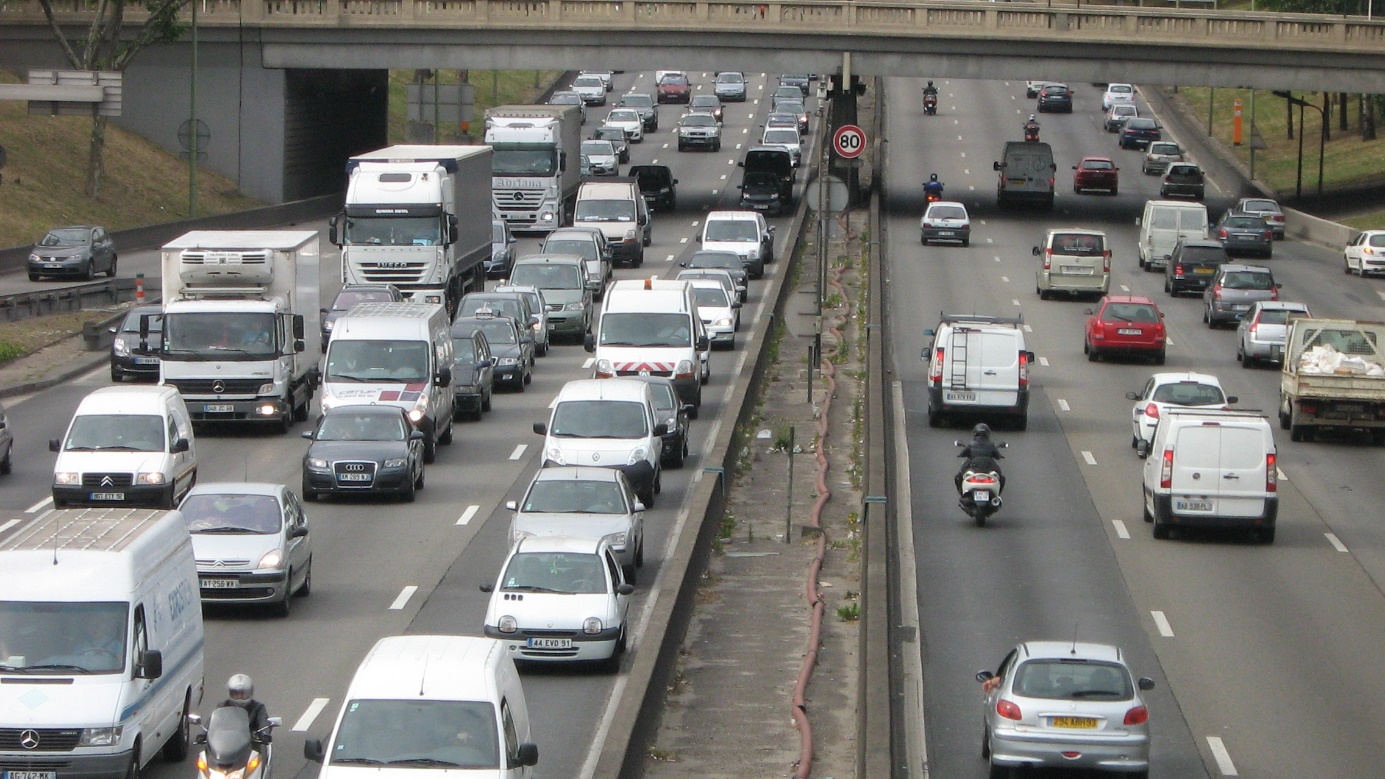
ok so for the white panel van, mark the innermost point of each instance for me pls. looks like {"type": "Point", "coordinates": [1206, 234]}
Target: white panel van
{"type": "Point", "coordinates": [100, 642]}
{"type": "Point", "coordinates": [1163, 224]}
{"type": "Point", "coordinates": [651, 328]}
{"type": "Point", "coordinates": [618, 210]}
{"type": "Point", "coordinates": [978, 366]}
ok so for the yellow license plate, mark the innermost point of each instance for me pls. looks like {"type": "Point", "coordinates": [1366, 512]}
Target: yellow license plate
{"type": "Point", "coordinates": [1074, 722]}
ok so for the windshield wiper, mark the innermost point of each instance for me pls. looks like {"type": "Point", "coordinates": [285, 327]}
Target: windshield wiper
{"type": "Point", "coordinates": [227, 349]}
{"type": "Point", "coordinates": [348, 377]}
{"type": "Point", "coordinates": [57, 667]}
{"type": "Point", "coordinates": [528, 588]}
{"type": "Point", "coordinates": [225, 529]}
{"type": "Point", "coordinates": [424, 761]}
{"type": "Point", "coordinates": [356, 761]}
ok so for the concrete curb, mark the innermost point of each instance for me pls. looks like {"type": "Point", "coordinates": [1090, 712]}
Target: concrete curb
{"type": "Point", "coordinates": [88, 362]}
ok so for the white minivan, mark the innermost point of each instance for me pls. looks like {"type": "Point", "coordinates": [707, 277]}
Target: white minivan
{"type": "Point", "coordinates": [418, 704]}
{"type": "Point", "coordinates": [610, 423]}
{"type": "Point", "coordinates": [1211, 468]}
{"type": "Point", "coordinates": [1164, 224]}
{"type": "Point", "coordinates": [126, 446]}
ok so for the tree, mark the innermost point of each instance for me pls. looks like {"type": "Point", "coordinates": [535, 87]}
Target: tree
{"type": "Point", "coordinates": [102, 48]}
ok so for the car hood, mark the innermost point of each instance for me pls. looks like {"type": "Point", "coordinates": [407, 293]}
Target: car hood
{"type": "Point", "coordinates": [385, 772]}
{"type": "Point", "coordinates": [571, 524]}
{"type": "Point", "coordinates": [555, 296]}
{"type": "Point", "coordinates": [34, 701]}
{"type": "Point", "coordinates": [378, 451]}
{"type": "Point", "coordinates": [210, 547]}
{"type": "Point", "coordinates": [555, 611]}
{"type": "Point", "coordinates": [506, 350]}
{"type": "Point", "coordinates": [108, 461]}
{"type": "Point", "coordinates": [59, 252]}
{"type": "Point", "coordinates": [603, 452]}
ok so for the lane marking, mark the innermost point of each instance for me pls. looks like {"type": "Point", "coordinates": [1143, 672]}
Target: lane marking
{"type": "Point", "coordinates": [715, 191]}
{"type": "Point", "coordinates": [1063, 405]}
{"type": "Point", "coordinates": [1222, 757]}
{"type": "Point", "coordinates": [1043, 361]}
{"type": "Point", "coordinates": [590, 361]}
{"type": "Point", "coordinates": [738, 146]}
{"type": "Point", "coordinates": [8, 525]}
{"type": "Point", "coordinates": [404, 595]}
{"type": "Point", "coordinates": [723, 177]}
{"type": "Point", "coordinates": [1086, 455]}
{"type": "Point", "coordinates": [682, 240]}
{"type": "Point", "coordinates": [468, 515]}
{"type": "Point", "coordinates": [1162, 622]}
{"type": "Point", "coordinates": [997, 259]}
{"type": "Point", "coordinates": [1028, 329]}
{"type": "Point", "coordinates": [1381, 293]}
{"type": "Point", "coordinates": [1280, 474]}
{"type": "Point", "coordinates": [1124, 288]}
{"type": "Point", "coordinates": [1005, 279]}
{"type": "Point", "coordinates": [1121, 532]}
{"type": "Point", "coordinates": [1015, 301]}
{"type": "Point", "coordinates": [309, 714]}
{"type": "Point", "coordinates": [665, 146]}
{"type": "Point", "coordinates": [1168, 341]}
{"type": "Point", "coordinates": [518, 452]}
{"type": "Point", "coordinates": [1331, 539]}
{"type": "Point", "coordinates": [39, 506]}
{"type": "Point", "coordinates": [655, 161]}
{"type": "Point", "coordinates": [666, 259]}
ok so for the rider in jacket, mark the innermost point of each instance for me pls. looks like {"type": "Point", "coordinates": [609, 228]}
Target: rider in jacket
{"type": "Point", "coordinates": [930, 90]}
{"type": "Point", "coordinates": [241, 690]}
{"type": "Point", "coordinates": [932, 186]}
{"type": "Point", "coordinates": [981, 456]}
{"type": "Point", "coordinates": [1031, 127]}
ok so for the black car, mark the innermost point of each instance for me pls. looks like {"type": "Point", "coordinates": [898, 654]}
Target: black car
{"type": "Point", "coordinates": [645, 104]}
{"type": "Point", "coordinates": [349, 296]}
{"type": "Point", "coordinates": [1191, 266]}
{"type": "Point", "coordinates": [673, 412]}
{"type": "Point", "coordinates": [1138, 132]}
{"type": "Point", "coordinates": [800, 80]}
{"type": "Point", "coordinates": [512, 349]}
{"type": "Point", "coordinates": [131, 357]}
{"type": "Point", "coordinates": [502, 252]}
{"type": "Point", "coordinates": [363, 450]}
{"type": "Point", "coordinates": [79, 251]}
{"type": "Point", "coordinates": [761, 191]}
{"type": "Point", "coordinates": [1055, 97]}
{"type": "Point", "coordinates": [727, 261]}
{"type": "Point", "coordinates": [511, 304]}
{"type": "Point", "coordinates": [657, 184]}
{"type": "Point", "coordinates": [473, 371]}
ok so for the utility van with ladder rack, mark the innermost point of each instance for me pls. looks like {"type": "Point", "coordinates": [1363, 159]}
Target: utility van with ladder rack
{"type": "Point", "coordinates": [978, 366]}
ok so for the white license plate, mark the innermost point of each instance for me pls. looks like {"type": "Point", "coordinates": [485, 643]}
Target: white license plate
{"type": "Point", "coordinates": [980, 495]}
{"type": "Point", "coordinates": [219, 584]}
{"type": "Point", "coordinates": [550, 643]}
{"type": "Point", "coordinates": [146, 361]}
{"type": "Point", "coordinates": [942, 233]}
{"type": "Point", "coordinates": [1075, 270]}
{"type": "Point", "coordinates": [1192, 505]}
{"type": "Point", "coordinates": [1129, 331]}
{"type": "Point", "coordinates": [354, 477]}
{"type": "Point", "coordinates": [218, 408]}
{"type": "Point", "coordinates": [108, 496]}
{"type": "Point", "coordinates": [54, 266]}
{"type": "Point", "coordinates": [960, 397]}
{"type": "Point", "coordinates": [29, 774]}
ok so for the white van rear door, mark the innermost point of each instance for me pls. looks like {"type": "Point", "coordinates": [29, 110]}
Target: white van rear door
{"type": "Point", "coordinates": [982, 368]}
{"type": "Point", "coordinates": [1219, 470]}
{"type": "Point", "coordinates": [1242, 480]}
{"type": "Point", "coordinates": [1193, 486]}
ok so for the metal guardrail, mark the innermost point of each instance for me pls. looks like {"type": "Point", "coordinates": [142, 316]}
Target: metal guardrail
{"type": "Point", "coordinates": [61, 300]}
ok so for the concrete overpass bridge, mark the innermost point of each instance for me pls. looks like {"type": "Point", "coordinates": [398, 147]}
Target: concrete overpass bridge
{"type": "Point", "coordinates": [314, 69]}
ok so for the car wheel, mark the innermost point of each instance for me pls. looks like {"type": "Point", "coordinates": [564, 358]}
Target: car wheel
{"type": "Point", "coordinates": [116, 375]}
{"type": "Point", "coordinates": [529, 375]}
{"type": "Point", "coordinates": [418, 483]}
{"type": "Point", "coordinates": [7, 464]}
{"type": "Point", "coordinates": [935, 418]}
{"type": "Point", "coordinates": [89, 271]}
{"type": "Point", "coordinates": [966, 242]}
{"type": "Point", "coordinates": [33, 276]}
{"type": "Point", "coordinates": [1159, 357]}
{"type": "Point", "coordinates": [1114, 191]}
{"type": "Point", "coordinates": [1346, 267]}
{"type": "Point", "coordinates": [1043, 294]}
{"type": "Point", "coordinates": [132, 770]}
{"type": "Point", "coordinates": [485, 403]}
{"type": "Point", "coordinates": [999, 772]}
{"type": "Point", "coordinates": [285, 606]}
{"type": "Point", "coordinates": [110, 272]}
{"type": "Point", "coordinates": [306, 588]}
{"type": "Point", "coordinates": [1161, 530]}
{"type": "Point", "coordinates": [410, 492]}
{"type": "Point", "coordinates": [612, 664]}
{"type": "Point", "coordinates": [430, 449]}
{"type": "Point", "coordinates": [985, 744]}
{"type": "Point", "coordinates": [446, 438]}
{"type": "Point", "coordinates": [923, 239]}
{"type": "Point", "coordinates": [309, 495]}
{"type": "Point", "coordinates": [629, 572]}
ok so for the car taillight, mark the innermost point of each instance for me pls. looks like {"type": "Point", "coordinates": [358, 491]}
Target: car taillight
{"type": "Point", "coordinates": [1274, 293]}
{"type": "Point", "coordinates": [1152, 411]}
{"type": "Point", "coordinates": [1166, 470]}
{"type": "Point", "coordinates": [928, 224]}
{"type": "Point", "coordinates": [1222, 233]}
{"type": "Point", "coordinates": [1024, 370]}
{"type": "Point", "coordinates": [1271, 473]}
{"type": "Point", "coordinates": [935, 370]}
{"type": "Point", "coordinates": [1008, 710]}
{"type": "Point", "coordinates": [1137, 716]}
{"type": "Point", "coordinates": [1216, 291]}
{"type": "Point", "coordinates": [1269, 235]}
{"type": "Point", "coordinates": [1048, 259]}
{"type": "Point", "coordinates": [1178, 269]}
{"type": "Point", "coordinates": [1106, 261]}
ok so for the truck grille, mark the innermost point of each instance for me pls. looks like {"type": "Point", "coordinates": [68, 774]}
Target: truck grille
{"type": "Point", "coordinates": [22, 763]}
{"type": "Point", "coordinates": [518, 199]}
{"type": "Point", "coordinates": [96, 480]}
{"type": "Point", "coordinates": [49, 739]}
{"type": "Point", "coordinates": [249, 387]}
{"type": "Point", "coordinates": [392, 272]}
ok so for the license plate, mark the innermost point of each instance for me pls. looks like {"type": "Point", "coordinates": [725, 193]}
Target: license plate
{"type": "Point", "coordinates": [1017, 181]}
{"type": "Point", "coordinates": [550, 643]}
{"type": "Point", "coordinates": [963, 397]}
{"type": "Point", "coordinates": [146, 361]}
{"type": "Point", "coordinates": [219, 584]}
{"type": "Point", "coordinates": [1086, 723]}
{"type": "Point", "coordinates": [1192, 505]}
{"type": "Point", "coordinates": [54, 266]}
{"type": "Point", "coordinates": [980, 495]}
{"type": "Point", "coordinates": [107, 496]}
{"type": "Point", "coordinates": [1204, 271]}
{"type": "Point", "coordinates": [1129, 331]}
{"type": "Point", "coordinates": [29, 774]}
{"type": "Point", "coordinates": [1352, 407]}
{"type": "Point", "coordinates": [218, 408]}
{"type": "Point", "coordinates": [942, 233]}
{"type": "Point", "coordinates": [1075, 270]}
{"type": "Point", "coordinates": [354, 477]}
{"type": "Point", "coordinates": [1239, 307]}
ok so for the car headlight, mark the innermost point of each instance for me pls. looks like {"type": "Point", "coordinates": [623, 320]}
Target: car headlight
{"type": "Point", "coordinates": [266, 389]}
{"type": "Point", "coordinates": [616, 540]}
{"type": "Point", "coordinates": [629, 235]}
{"type": "Point", "coordinates": [120, 348]}
{"type": "Point", "coordinates": [272, 559]}
{"type": "Point", "coordinates": [33, 258]}
{"type": "Point", "coordinates": [638, 454]}
{"type": "Point", "coordinates": [419, 410]}
{"type": "Point", "coordinates": [509, 360]}
{"type": "Point", "coordinates": [591, 625]}
{"type": "Point", "coordinates": [507, 624]}
{"type": "Point", "coordinates": [317, 462]}
{"type": "Point", "coordinates": [327, 402]}
{"type": "Point", "coordinates": [575, 305]}
{"type": "Point", "coordinates": [684, 366]}
{"type": "Point", "coordinates": [149, 478]}
{"type": "Point", "coordinates": [554, 454]}
{"type": "Point", "coordinates": [396, 462]}
{"type": "Point", "coordinates": [100, 737]}
{"type": "Point", "coordinates": [724, 322]}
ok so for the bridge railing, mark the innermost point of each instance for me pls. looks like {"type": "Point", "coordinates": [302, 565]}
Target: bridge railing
{"type": "Point", "coordinates": [953, 18]}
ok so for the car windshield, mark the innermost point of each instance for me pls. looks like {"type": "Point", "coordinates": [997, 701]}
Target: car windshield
{"type": "Point", "coordinates": [589, 82]}
{"type": "Point", "coordinates": [1129, 312]}
{"type": "Point", "coordinates": [131, 323]}
{"type": "Point", "coordinates": [1138, 123]}
{"type": "Point", "coordinates": [1277, 316]}
{"type": "Point", "coordinates": [612, 134]}
{"type": "Point", "coordinates": [350, 297]}
{"type": "Point", "coordinates": [554, 572]}
{"type": "Point", "coordinates": [575, 496]}
{"type": "Point", "coordinates": [507, 306]}
{"type": "Point", "coordinates": [1073, 680]}
{"type": "Point", "coordinates": [383, 361]}
{"type": "Point", "coordinates": [599, 419]}
{"type": "Point", "coordinates": [623, 115]}
{"type": "Point", "coordinates": [1120, 89]}
{"type": "Point", "coordinates": [1189, 171]}
{"type": "Point", "coordinates": [699, 120]}
{"type": "Point", "coordinates": [1189, 393]}
{"type": "Point", "coordinates": [729, 230]}
{"type": "Point", "coordinates": [70, 638]}
{"type": "Point", "coordinates": [585, 249]}
{"type": "Point", "coordinates": [638, 100]}
{"type": "Point", "coordinates": [705, 101]}
{"type": "Point", "coordinates": [115, 432]}
{"type": "Point", "coordinates": [232, 514]}
{"type": "Point", "coordinates": [730, 78]}
{"type": "Point", "coordinates": [417, 733]}
{"type": "Point", "coordinates": [589, 210]}
{"type": "Point", "coordinates": [665, 399]}
{"type": "Point", "coordinates": [546, 276]}
{"type": "Point", "coordinates": [498, 331]}
{"type": "Point", "coordinates": [673, 80]}
{"type": "Point", "coordinates": [947, 212]}
{"type": "Point", "coordinates": [463, 350]}
{"type": "Point", "coordinates": [711, 297]}
{"type": "Point", "coordinates": [72, 236]}
{"type": "Point", "coordinates": [1238, 279]}
{"type": "Point", "coordinates": [598, 148]}
{"type": "Point", "coordinates": [645, 329]}
{"type": "Point", "coordinates": [346, 425]}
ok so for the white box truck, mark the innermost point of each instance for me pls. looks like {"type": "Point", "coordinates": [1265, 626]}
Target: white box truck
{"type": "Point", "coordinates": [417, 217]}
{"type": "Point", "coordinates": [240, 324]}
{"type": "Point", "coordinates": [100, 642]}
{"type": "Point", "coordinates": [537, 163]}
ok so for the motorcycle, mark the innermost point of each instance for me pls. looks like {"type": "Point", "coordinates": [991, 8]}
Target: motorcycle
{"type": "Point", "coordinates": [230, 751]}
{"type": "Point", "coordinates": [1031, 131]}
{"type": "Point", "coordinates": [979, 495]}
{"type": "Point", "coordinates": [930, 103]}
{"type": "Point", "coordinates": [932, 194]}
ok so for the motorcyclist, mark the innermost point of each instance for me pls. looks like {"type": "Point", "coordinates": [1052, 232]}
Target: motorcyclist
{"type": "Point", "coordinates": [1031, 127]}
{"type": "Point", "coordinates": [932, 186]}
{"type": "Point", "coordinates": [930, 90]}
{"type": "Point", "coordinates": [981, 456]}
{"type": "Point", "coordinates": [241, 689]}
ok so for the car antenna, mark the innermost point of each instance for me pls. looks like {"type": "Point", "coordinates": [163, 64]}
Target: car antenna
{"type": "Point", "coordinates": [1073, 650]}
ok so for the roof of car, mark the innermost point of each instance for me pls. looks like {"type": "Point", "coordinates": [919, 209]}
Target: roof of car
{"type": "Point", "coordinates": [1070, 649]}
{"type": "Point", "coordinates": [602, 389]}
{"type": "Point", "coordinates": [1281, 305]}
{"type": "Point", "coordinates": [568, 544]}
{"type": "Point", "coordinates": [1129, 299]}
{"type": "Point", "coordinates": [365, 408]}
{"type": "Point", "coordinates": [236, 488]}
{"type": "Point", "coordinates": [1171, 377]}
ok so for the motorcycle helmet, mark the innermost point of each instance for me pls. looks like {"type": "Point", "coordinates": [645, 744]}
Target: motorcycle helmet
{"type": "Point", "coordinates": [240, 687]}
{"type": "Point", "coordinates": [982, 430]}
{"type": "Point", "coordinates": [932, 177]}
{"type": "Point", "coordinates": [930, 83]}
{"type": "Point", "coordinates": [1031, 118]}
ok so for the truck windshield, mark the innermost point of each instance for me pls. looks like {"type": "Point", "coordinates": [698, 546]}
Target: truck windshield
{"type": "Point", "coordinates": [645, 329]}
{"type": "Point", "coordinates": [378, 361]}
{"type": "Point", "coordinates": [418, 733]}
{"type": "Point", "coordinates": [393, 230]}
{"type": "Point", "coordinates": [115, 432]}
{"type": "Point", "coordinates": [66, 638]}
{"type": "Point", "coordinates": [523, 160]}
{"type": "Point", "coordinates": [220, 336]}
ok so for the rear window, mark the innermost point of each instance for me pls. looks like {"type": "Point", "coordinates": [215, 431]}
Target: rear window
{"type": "Point", "coordinates": [1098, 165]}
{"type": "Point", "coordinates": [947, 212]}
{"type": "Point", "coordinates": [1190, 393]}
{"type": "Point", "coordinates": [1164, 148]}
{"type": "Point", "coordinates": [1202, 254]}
{"type": "Point", "coordinates": [1273, 317]}
{"type": "Point", "coordinates": [1261, 205]}
{"type": "Point", "coordinates": [1247, 280]}
{"type": "Point", "coordinates": [1130, 312]}
{"type": "Point", "coordinates": [1077, 243]}
{"type": "Point", "coordinates": [1249, 222]}
{"type": "Point", "coordinates": [1073, 680]}
{"type": "Point", "coordinates": [1376, 240]}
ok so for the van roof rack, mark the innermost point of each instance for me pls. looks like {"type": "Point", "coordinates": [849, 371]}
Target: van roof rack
{"type": "Point", "coordinates": [984, 319]}
{"type": "Point", "coordinates": [1214, 412]}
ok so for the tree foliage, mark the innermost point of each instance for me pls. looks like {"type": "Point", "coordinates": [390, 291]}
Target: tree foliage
{"type": "Point", "coordinates": [1334, 7]}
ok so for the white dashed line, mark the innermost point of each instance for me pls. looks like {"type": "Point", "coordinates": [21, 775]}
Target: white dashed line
{"type": "Point", "coordinates": [723, 177]}
{"type": "Point", "coordinates": [1121, 532]}
{"type": "Point", "coordinates": [1222, 757]}
{"type": "Point", "coordinates": [1086, 455]}
{"type": "Point", "coordinates": [309, 714]}
{"type": "Point", "coordinates": [1124, 288]}
{"type": "Point", "coordinates": [468, 515]}
{"type": "Point", "coordinates": [738, 146]}
{"type": "Point", "coordinates": [518, 452]}
{"type": "Point", "coordinates": [1162, 622]}
{"type": "Point", "coordinates": [665, 146]}
{"type": "Point", "coordinates": [666, 259]}
{"type": "Point", "coordinates": [1168, 341]}
{"type": "Point", "coordinates": [1063, 405]}
{"type": "Point", "coordinates": [590, 361]}
{"type": "Point", "coordinates": [1015, 301]}
{"type": "Point", "coordinates": [404, 595]}
{"type": "Point", "coordinates": [715, 191]}
{"type": "Point", "coordinates": [1028, 329]}
{"type": "Point", "coordinates": [997, 259]}
{"type": "Point", "coordinates": [8, 525]}
{"type": "Point", "coordinates": [1381, 293]}
{"type": "Point", "coordinates": [1280, 475]}
{"type": "Point", "coordinates": [682, 240]}
{"type": "Point", "coordinates": [655, 161]}
{"type": "Point", "coordinates": [1005, 279]}
{"type": "Point", "coordinates": [1331, 539]}
{"type": "Point", "coordinates": [37, 507]}
{"type": "Point", "coordinates": [696, 222]}
{"type": "Point", "coordinates": [1043, 361]}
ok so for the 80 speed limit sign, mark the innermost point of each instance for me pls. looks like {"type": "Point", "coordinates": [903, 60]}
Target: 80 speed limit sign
{"type": "Point", "coordinates": [849, 141]}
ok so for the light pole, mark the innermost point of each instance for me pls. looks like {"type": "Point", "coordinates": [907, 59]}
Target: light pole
{"type": "Point", "coordinates": [1322, 139]}
{"type": "Point", "coordinates": [192, 149]}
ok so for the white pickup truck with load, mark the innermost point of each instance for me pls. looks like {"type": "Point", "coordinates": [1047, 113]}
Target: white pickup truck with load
{"type": "Point", "coordinates": [240, 324]}
{"type": "Point", "coordinates": [419, 218]}
{"type": "Point", "coordinates": [1333, 376]}
{"type": "Point", "coordinates": [538, 151]}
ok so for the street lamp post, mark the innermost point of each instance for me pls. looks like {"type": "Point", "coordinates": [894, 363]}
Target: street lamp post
{"type": "Point", "coordinates": [1322, 139]}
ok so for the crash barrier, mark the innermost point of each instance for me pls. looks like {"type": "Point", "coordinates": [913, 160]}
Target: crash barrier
{"type": "Point", "coordinates": [100, 294]}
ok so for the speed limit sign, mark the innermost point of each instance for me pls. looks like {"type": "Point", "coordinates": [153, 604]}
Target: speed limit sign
{"type": "Point", "coordinates": [849, 141]}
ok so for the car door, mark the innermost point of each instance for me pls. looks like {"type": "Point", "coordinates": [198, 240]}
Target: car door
{"type": "Point", "coordinates": [102, 249]}
{"type": "Point", "coordinates": [617, 578]}
{"type": "Point", "coordinates": [485, 363]}
{"type": "Point", "coordinates": [1137, 412]}
{"type": "Point", "coordinates": [1241, 480]}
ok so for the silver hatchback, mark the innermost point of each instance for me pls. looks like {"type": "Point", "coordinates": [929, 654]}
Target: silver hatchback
{"type": "Point", "coordinates": [1233, 290]}
{"type": "Point", "coordinates": [1065, 704]}
{"type": "Point", "coordinates": [1261, 333]}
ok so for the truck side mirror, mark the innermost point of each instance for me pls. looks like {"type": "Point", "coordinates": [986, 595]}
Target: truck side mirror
{"type": "Point", "coordinates": [702, 343]}
{"type": "Point", "coordinates": [180, 445]}
{"type": "Point", "coordinates": [150, 664]}
{"type": "Point", "coordinates": [996, 165]}
{"type": "Point", "coordinates": [527, 755]}
{"type": "Point", "coordinates": [451, 228]}
{"type": "Point", "coordinates": [1142, 449]}
{"type": "Point", "coordinates": [332, 232]}
{"type": "Point", "coordinates": [297, 326]}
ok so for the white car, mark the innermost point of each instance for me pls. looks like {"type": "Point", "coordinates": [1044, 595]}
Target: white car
{"type": "Point", "coordinates": [586, 502]}
{"type": "Point", "coordinates": [629, 120]}
{"type": "Point", "coordinates": [560, 599]}
{"type": "Point", "coordinates": [1365, 254]}
{"type": "Point", "coordinates": [1186, 390]}
{"type": "Point", "coordinates": [1031, 88]}
{"type": "Point", "coordinates": [591, 88]}
{"type": "Point", "coordinates": [785, 138]}
{"type": "Point", "coordinates": [1117, 93]}
{"type": "Point", "coordinates": [945, 220]}
{"type": "Point", "coordinates": [602, 158]}
{"type": "Point", "coordinates": [721, 277]}
{"type": "Point", "coordinates": [720, 311]}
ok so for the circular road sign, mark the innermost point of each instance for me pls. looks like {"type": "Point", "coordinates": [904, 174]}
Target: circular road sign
{"type": "Point", "coordinates": [849, 141]}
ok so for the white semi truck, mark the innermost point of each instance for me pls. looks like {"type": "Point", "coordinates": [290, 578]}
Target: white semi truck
{"type": "Point", "coordinates": [537, 164]}
{"type": "Point", "coordinates": [417, 217]}
{"type": "Point", "coordinates": [240, 324]}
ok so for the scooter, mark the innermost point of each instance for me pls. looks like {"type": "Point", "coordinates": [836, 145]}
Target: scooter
{"type": "Point", "coordinates": [932, 195]}
{"type": "Point", "coordinates": [930, 103]}
{"type": "Point", "coordinates": [230, 752]}
{"type": "Point", "coordinates": [1031, 132]}
{"type": "Point", "coordinates": [980, 492]}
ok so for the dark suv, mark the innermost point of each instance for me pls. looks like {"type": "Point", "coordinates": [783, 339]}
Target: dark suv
{"type": "Point", "coordinates": [1183, 179]}
{"type": "Point", "coordinates": [1055, 97]}
{"type": "Point", "coordinates": [1232, 291]}
{"type": "Point", "coordinates": [1191, 266]}
{"type": "Point", "coordinates": [657, 184]}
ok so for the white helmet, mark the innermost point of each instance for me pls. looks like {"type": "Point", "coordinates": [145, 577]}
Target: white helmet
{"type": "Point", "coordinates": [240, 687]}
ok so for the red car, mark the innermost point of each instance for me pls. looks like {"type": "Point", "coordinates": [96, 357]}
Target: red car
{"type": "Point", "coordinates": [1125, 324]}
{"type": "Point", "coordinates": [674, 88]}
{"type": "Point", "coordinates": [1095, 173]}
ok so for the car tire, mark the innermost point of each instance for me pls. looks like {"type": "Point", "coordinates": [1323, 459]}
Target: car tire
{"type": "Point", "coordinates": [34, 276]}
{"type": "Point", "coordinates": [132, 771]}
{"type": "Point", "coordinates": [485, 403]}
{"type": "Point", "coordinates": [110, 272]}
{"type": "Point", "coordinates": [7, 464]}
{"type": "Point", "coordinates": [309, 496]}
{"type": "Point", "coordinates": [116, 375]}
{"type": "Point", "coordinates": [410, 492]}
{"type": "Point", "coordinates": [89, 271]}
{"type": "Point", "coordinates": [1160, 531]}
{"type": "Point", "coordinates": [1043, 293]}
{"type": "Point", "coordinates": [430, 449]}
{"type": "Point", "coordinates": [923, 239]}
{"type": "Point", "coordinates": [1114, 191]}
{"type": "Point", "coordinates": [999, 772]}
{"type": "Point", "coordinates": [935, 418]}
{"type": "Point", "coordinates": [1159, 357]}
{"type": "Point", "coordinates": [306, 588]}
{"type": "Point", "coordinates": [446, 438]}
{"type": "Point", "coordinates": [966, 242]}
{"type": "Point", "coordinates": [285, 605]}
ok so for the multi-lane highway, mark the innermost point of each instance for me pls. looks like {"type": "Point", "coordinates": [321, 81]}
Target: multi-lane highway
{"type": "Point", "coordinates": [385, 568]}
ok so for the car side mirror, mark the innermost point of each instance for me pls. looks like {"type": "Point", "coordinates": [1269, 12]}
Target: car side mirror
{"type": "Point", "coordinates": [1132, 396]}
{"type": "Point", "coordinates": [150, 664]}
{"type": "Point", "coordinates": [699, 240]}
{"type": "Point", "coordinates": [180, 445]}
{"type": "Point", "coordinates": [1142, 449]}
{"type": "Point", "coordinates": [312, 750]}
{"type": "Point", "coordinates": [735, 304]}
{"type": "Point", "coordinates": [661, 429]}
{"type": "Point", "coordinates": [639, 507]}
{"type": "Point", "coordinates": [541, 428]}
{"type": "Point", "coordinates": [984, 676]}
{"type": "Point", "coordinates": [527, 755]}
{"type": "Point", "coordinates": [771, 229]}
{"type": "Point", "coordinates": [54, 445]}
{"type": "Point", "coordinates": [740, 164]}
{"type": "Point", "coordinates": [625, 588]}
{"type": "Point", "coordinates": [112, 330]}
{"type": "Point", "coordinates": [417, 435]}
{"type": "Point", "coordinates": [1074, 167]}
{"type": "Point", "coordinates": [1088, 311]}
{"type": "Point", "coordinates": [1278, 286]}
{"type": "Point", "coordinates": [996, 165]}
{"type": "Point", "coordinates": [1036, 251]}
{"type": "Point", "coordinates": [1146, 683]}
{"type": "Point", "coordinates": [1232, 399]}
{"type": "Point", "coordinates": [443, 378]}
{"type": "Point", "coordinates": [487, 587]}
{"type": "Point", "coordinates": [298, 532]}
{"type": "Point", "coordinates": [1029, 356]}
{"type": "Point", "coordinates": [702, 343]}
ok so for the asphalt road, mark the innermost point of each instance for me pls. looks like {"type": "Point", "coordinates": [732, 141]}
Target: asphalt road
{"type": "Point", "coordinates": [384, 568]}
{"type": "Point", "coordinates": [1259, 653]}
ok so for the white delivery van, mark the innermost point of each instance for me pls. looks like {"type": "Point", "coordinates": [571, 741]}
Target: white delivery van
{"type": "Point", "coordinates": [651, 328]}
{"type": "Point", "coordinates": [618, 210]}
{"type": "Point", "coordinates": [978, 366]}
{"type": "Point", "coordinates": [419, 704]}
{"type": "Point", "coordinates": [129, 446]}
{"type": "Point", "coordinates": [100, 642]}
{"type": "Point", "coordinates": [610, 423]}
{"type": "Point", "coordinates": [1211, 468]}
{"type": "Point", "coordinates": [1163, 224]}
{"type": "Point", "coordinates": [398, 354]}
{"type": "Point", "coordinates": [743, 233]}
